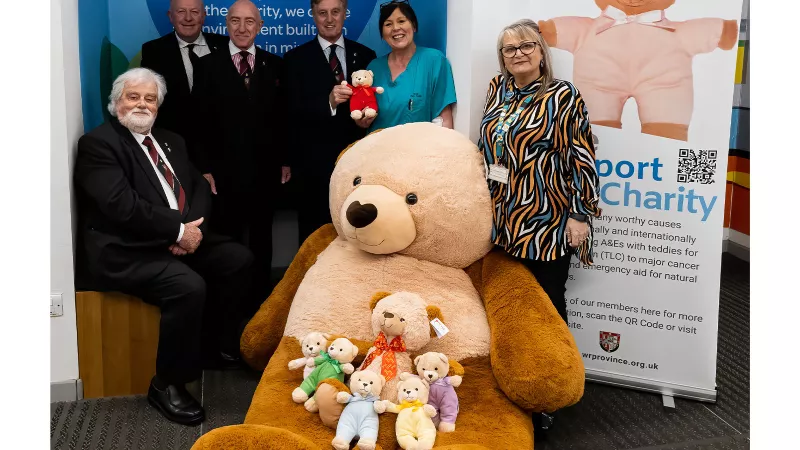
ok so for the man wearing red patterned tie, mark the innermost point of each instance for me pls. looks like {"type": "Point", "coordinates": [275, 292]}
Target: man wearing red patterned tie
{"type": "Point", "coordinates": [142, 212]}
{"type": "Point", "coordinates": [244, 146]}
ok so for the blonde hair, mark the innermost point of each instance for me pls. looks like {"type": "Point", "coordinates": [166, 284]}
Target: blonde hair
{"type": "Point", "coordinates": [527, 29]}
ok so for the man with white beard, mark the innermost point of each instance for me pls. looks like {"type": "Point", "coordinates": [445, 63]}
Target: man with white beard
{"type": "Point", "coordinates": [143, 214]}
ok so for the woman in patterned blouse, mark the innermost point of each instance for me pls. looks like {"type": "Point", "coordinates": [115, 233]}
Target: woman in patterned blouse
{"type": "Point", "coordinates": [537, 144]}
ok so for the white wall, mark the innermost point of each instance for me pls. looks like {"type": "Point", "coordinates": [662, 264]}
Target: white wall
{"type": "Point", "coordinates": [472, 30]}
{"type": "Point", "coordinates": [66, 125]}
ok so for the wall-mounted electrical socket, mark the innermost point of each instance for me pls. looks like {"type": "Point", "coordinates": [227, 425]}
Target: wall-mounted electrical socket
{"type": "Point", "coordinates": [56, 305]}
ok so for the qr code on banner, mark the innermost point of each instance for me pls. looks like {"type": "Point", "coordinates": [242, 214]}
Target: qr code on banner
{"type": "Point", "coordinates": [696, 166]}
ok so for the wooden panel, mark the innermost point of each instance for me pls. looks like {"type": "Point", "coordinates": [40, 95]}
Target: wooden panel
{"type": "Point", "coordinates": [117, 343]}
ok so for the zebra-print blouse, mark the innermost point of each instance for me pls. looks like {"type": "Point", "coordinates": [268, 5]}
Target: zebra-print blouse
{"type": "Point", "coordinates": [549, 152]}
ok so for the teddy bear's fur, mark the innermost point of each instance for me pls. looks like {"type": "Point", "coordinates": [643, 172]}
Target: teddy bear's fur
{"type": "Point", "coordinates": [401, 324]}
{"type": "Point", "coordinates": [363, 102]}
{"type": "Point", "coordinates": [633, 50]}
{"type": "Point", "coordinates": [360, 416]}
{"type": "Point", "coordinates": [333, 363]}
{"type": "Point", "coordinates": [311, 345]}
{"type": "Point", "coordinates": [414, 428]}
{"type": "Point", "coordinates": [437, 247]}
{"type": "Point", "coordinates": [434, 367]}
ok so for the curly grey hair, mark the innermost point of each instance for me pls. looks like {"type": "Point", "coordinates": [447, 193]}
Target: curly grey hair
{"type": "Point", "coordinates": [135, 76]}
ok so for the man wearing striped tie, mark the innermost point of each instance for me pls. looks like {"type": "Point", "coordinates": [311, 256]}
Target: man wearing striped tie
{"type": "Point", "coordinates": [142, 213]}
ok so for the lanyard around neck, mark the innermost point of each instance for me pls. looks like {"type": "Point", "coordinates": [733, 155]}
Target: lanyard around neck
{"type": "Point", "coordinates": [504, 124]}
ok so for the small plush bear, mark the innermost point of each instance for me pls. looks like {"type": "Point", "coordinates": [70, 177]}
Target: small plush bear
{"type": "Point", "coordinates": [433, 367]}
{"type": "Point", "coordinates": [360, 416]}
{"type": "Point", "coordinates": [401, 324]}
{"type": "Point", "coordinates": [334, 363]}
{"type": "Point", "coordinates": [414, 428]}
{"type": "Point", "coordinates": [363, 102]}
{"type": "Point", "coordinates": [312, 344]}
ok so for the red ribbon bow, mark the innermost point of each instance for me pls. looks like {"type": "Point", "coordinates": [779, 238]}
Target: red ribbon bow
{"type": "Point", "coordinates": [389, 363]}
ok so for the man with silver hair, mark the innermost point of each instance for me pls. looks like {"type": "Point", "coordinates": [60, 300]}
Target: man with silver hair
{"type": "Point", "coordinates": [143, 213]}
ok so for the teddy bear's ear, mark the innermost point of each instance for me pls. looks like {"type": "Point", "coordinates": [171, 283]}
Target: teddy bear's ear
{"type": "Point", "coordinates": [355, 351]}
{"type": "Point", "coordinates": [416, 360]}
{"type": "Point", "coordinates": [443, 358]}
{"type": "Point", "coordinates": [376, 298]}
{"type": "Point", "coordinates": [405, 375]}
{"type": "Point", "coordinates": [370, 73]}
{"type": "Point", "coordinates": [383, 380]}
{"type": "Point", "coordinates": [434, 313]}
{"type": "Point", "coordinates": [327, 336]}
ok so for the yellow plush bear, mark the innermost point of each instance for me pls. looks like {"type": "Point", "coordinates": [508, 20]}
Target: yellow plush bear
{"type": "Point", "coordinates": [414, 427]}
{"type": "Point", "coordinates": [411, 212]}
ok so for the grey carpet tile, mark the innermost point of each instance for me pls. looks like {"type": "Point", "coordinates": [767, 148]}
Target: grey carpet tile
{"type": "Point", "coordinates": [612, 418]}
{"type": "Point", "coordinates": [116, 423]}
{"type": "Point", "coordinates": [737, 442]}
{"type": "Point", "coordinates": [227, 396]}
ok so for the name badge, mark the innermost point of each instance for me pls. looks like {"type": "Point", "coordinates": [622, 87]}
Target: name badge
{"type": "Point", "coordinates": [498, 173]}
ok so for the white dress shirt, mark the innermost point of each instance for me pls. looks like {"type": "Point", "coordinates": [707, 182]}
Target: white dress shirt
{"type": "Point", "coordinates": [340, 53]}
{"type": "Point", "coordinates": [173, 202]}
{"type": "Point", "coordinates": [200, 49]}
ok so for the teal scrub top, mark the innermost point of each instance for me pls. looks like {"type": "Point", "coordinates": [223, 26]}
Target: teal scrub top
{"type": "Point", "coordinates": [419, 94]}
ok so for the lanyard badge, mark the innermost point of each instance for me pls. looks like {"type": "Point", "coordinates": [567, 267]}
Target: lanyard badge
{"type": "Point", "coordinates": [497, 171]}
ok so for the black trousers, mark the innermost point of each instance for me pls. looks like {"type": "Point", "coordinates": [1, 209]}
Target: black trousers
{"type": "Point", "coordinates": [552, 276]}
{"type": "Point", "coordinates": [313, 210]}
{"type": "Point", "coordinates": [200, 297]}
{"type": "Point", "coordinates": [247, 218]}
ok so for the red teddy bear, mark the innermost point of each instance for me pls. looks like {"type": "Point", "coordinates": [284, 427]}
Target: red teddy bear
{"type": "Point", "coordinates": [363, 102]}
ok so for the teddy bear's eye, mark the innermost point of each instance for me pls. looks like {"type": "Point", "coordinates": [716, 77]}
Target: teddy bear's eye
{"type": "Point", "coordinates": [357, 181]}
{"type": "Point", "coordinates": [402, 320]}
{"type": "Point", "coordinates": [341, 350]}
{"type": "Point", "coordinates": [411, 199]}
{"type": "Point", "coordinates": [317, 343]}
{"type": "Point", "coordinates": [416, 389]}
{"type": "Point", "coordinates": [370, 382]}
{"type": "Point", "coordinates": [436, 369]}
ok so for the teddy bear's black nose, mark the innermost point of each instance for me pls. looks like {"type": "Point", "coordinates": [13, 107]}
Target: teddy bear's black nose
{"type": "Point", "coordinates": [360, 215]}
{"type": "Point", "coordinates": [430, 375]}
{"type": "Point", "coordinates": [388, 315]}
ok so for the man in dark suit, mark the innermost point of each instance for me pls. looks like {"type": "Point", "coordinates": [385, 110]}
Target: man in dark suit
{"type": "Point", "coordinates": [314, 71]}
{"type": "Point", "coordinates": [142, 210]}
{"type": "Point", "coordinates": [175, 57]}
{"type": "Point", "coordinates": [244, 149]}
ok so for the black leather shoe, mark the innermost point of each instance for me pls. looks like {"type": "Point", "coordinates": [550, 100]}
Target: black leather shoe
{"type": "Point", "coordinates": [176, 404]}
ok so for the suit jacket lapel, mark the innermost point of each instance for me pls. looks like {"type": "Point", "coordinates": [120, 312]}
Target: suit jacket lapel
{"type": "Point", "coordinates": [212, 47]}
{"type": "Point", "coordinates": [139, 155]}
{"type": "Point", "coordinates": [351, 58]}
{"type": "Point", "coordinates": [176, 58]}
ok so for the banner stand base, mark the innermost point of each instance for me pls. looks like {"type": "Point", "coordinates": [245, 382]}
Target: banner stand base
{"type": "Point", "coordinates": [669, 401]}
{"type": "Point", "coordinates": [658, 387]}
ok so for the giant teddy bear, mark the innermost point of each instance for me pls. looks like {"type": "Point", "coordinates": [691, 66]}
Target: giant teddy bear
{"type": "Point", "coordinates": [633, 50]}
{"type": "Point", "coordinates": [411, 212]}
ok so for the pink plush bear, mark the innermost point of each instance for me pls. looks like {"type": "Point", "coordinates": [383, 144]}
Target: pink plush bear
{"type": "Point", "coordinates": [633, 50]}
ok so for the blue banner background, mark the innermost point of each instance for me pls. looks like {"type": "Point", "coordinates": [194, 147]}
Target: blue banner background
{"type": "Point", "coordinates": [112, 32]}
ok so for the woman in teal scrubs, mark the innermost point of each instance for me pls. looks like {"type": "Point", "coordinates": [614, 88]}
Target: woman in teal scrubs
{"type": "Point", "coordinates": [417, 81]}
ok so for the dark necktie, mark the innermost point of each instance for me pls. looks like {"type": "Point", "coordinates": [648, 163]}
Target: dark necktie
{"type": "Point", "coordinates": [244, 68]}
{"type": "Point", "coordinates": [193, 58]}
{"type": "Point", "coordinates": [336, 66]}
{"type": "Point", "coordinates": [162, 167]}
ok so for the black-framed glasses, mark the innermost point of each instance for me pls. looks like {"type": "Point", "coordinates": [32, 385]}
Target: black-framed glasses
{"type": "Point", "coordinates": [509, 51]}
{"type": "Point", "coordinates": [394, 2]}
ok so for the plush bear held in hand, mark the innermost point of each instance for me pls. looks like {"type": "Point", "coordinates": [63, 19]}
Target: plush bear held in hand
{"type": "Point", "coordinates": [363, 102]}
{"type": "Point", "coordinates": [401, 322]}
{"type": "Point", "coordinates": [360, 417]}
{"type": "Point", "coordinates": [633, 50]}
{"type": "Point", "coordinates": [334, 363]}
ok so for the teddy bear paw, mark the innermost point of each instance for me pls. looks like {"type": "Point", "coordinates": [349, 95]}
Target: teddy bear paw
{"type": "Point", "coordinates": [366, 444]}
{"type": "Point", "coordinates": [342, 397]}
{"type": "Point", "coordinates": [311, 405]}
{"type": "Point", "coordinates": [348, 368]}
{"type": "Point", "coordinates": [356, 114]}
{"type": "Point", "coordinates": [310, 362]}
{"type": "Point", "coordinates": [299, 396]}
{"type": "Point", "coordinates": [445, 427]}
{"type": "Point", "coordinates": [379, 406]}
{"type": "Point", "coordinates": [370, 113]}
{"type": "Point", "coordinates": [456, 380]}
{"type": "Point", "coordinates": [339, 444]}
{"type": "Point", "coordinates": [429, 410]}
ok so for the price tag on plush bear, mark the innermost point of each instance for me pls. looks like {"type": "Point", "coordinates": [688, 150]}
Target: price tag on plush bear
{"type": "Point", "coordinates": [439, 328]}
{"type": "Point", "coordinates": [498, 173]}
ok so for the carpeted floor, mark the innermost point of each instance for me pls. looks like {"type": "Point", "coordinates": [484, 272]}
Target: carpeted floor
{"type": "Point", "coordinates": [606, 418]}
